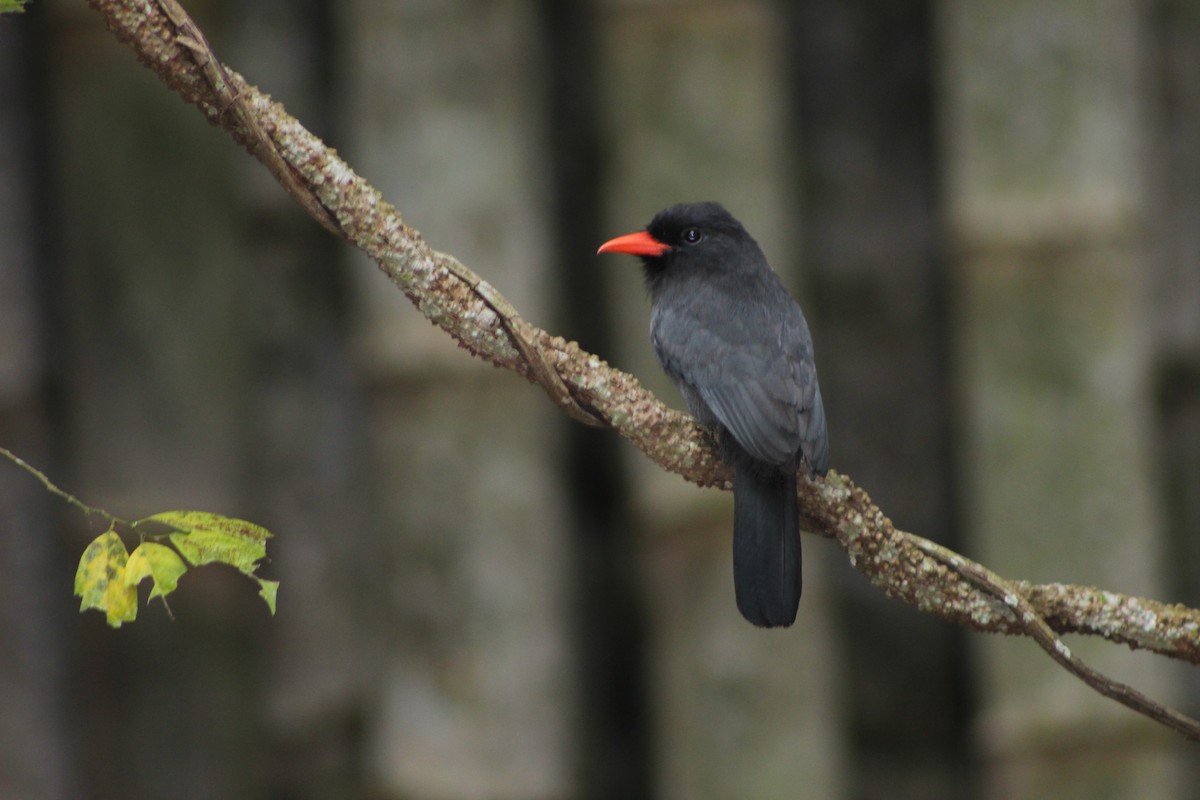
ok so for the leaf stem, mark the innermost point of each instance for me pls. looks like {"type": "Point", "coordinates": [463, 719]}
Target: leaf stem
{"type": "Point", "coordinates": [63, 493]}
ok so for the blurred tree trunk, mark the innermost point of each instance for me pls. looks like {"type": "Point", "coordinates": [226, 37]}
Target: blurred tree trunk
{"type": "Point", "coordinates": [305, 434]}
{"type": "Point", "coordinates": [153, 302]}
{"type": "Point", "coordinates": [693, 104]}
{"type": "Point", "coordinates": [152, 297]}
{"type": "Point", "coordinates": [35, 753]}
{"type": "Point", "coordinates": [476, 697]}
{"type": "Point", "coordinates": [1048, 207]}
{"type": "Point", "coordinates": [614, 738]}
{"type": "Point", "coordinates": [862, 82]}
{"type": "Point", "coordinates": [1175, 223]}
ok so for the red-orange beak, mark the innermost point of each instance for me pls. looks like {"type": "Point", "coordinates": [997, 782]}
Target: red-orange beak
{"type": "Point", "coordinates": [635, 244]}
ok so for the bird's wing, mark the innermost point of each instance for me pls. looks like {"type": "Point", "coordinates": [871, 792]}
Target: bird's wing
{"type": "Point", "coordinates": [751, 393]}
{"type": "Point", "coordinates": [748, 387]}
{"type": "Point", "coordinates": [814, 438]}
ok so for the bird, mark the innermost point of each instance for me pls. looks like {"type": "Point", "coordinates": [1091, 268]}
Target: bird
{"type": "Point", "coordinates": [734, 341]}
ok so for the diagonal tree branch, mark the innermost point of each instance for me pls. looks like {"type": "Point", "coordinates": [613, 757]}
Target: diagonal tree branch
{"type": "Point", "coordinates": [904, 566]}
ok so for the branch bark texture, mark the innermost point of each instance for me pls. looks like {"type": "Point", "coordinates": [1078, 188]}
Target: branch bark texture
{"type": "Point", "coordinates": [906, 567]}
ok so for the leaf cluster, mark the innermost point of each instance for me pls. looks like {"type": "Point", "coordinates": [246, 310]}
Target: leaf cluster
{"type": "Point", "coordinates": [171, 543]}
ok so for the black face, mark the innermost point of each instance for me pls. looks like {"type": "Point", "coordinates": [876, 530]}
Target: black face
{"type": "Point", "coordinates": [698, 235]}
{"type": "Point", "coordinates": [690, 224]}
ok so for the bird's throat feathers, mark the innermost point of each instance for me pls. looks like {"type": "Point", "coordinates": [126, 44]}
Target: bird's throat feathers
{"type": "Point", "coordinates": [654, 272]}
{"type": "Point", "coordinates": [696, 271]}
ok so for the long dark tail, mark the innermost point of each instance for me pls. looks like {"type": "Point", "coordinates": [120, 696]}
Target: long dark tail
{"type": "Point", "coordinates": [766, 546]}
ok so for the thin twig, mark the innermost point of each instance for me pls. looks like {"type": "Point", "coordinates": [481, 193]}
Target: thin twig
{"type": "Point", "coordinates": [63, 493]}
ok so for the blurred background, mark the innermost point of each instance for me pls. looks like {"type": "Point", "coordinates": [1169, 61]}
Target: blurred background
{"type": "Point", "coordinates": [990, 211]}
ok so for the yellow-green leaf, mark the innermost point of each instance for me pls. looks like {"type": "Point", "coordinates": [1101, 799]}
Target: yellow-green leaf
{"type": "Point", "coordinates": [156, 561]}
{"type": "Point", "coordinates": [100, 579]}
{"type": "Point", "coordinates": [202, 546]}
{"type": "Point", "coordinates": [206, 520]}
{"type": "Point", "coordinates": [267, 591]}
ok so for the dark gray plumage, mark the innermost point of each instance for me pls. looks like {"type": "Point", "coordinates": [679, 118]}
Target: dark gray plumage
{"type": "Point", "coordinates": [733, 340]}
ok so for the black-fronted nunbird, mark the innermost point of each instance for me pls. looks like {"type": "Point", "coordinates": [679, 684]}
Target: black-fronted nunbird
{"type": "Point", "coordinates": [732, 338]}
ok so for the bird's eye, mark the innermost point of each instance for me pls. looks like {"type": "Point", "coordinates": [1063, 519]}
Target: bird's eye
{"type": "Point", "coordinates": [692, 236]}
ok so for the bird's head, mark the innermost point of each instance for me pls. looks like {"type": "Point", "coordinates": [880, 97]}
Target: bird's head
{"type": "Point", "coordinates": [688, 236]}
